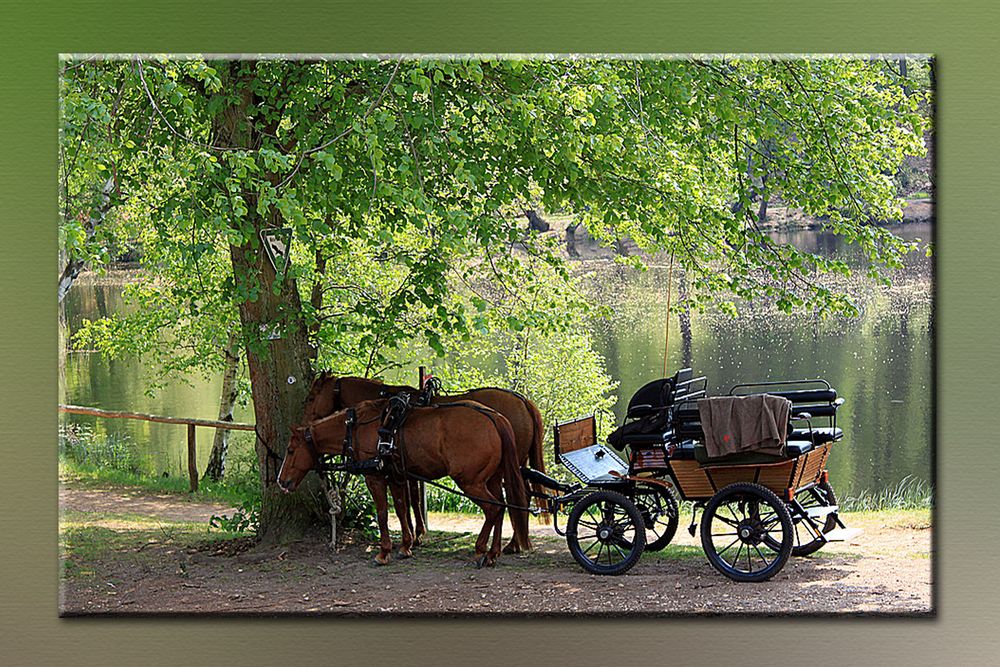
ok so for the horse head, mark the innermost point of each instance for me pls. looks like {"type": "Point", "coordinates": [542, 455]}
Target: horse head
{"type": "Point", "coordinates": [299, 460]}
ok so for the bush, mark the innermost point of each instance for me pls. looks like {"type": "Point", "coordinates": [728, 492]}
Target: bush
{"type": "Point", "coordinates": [78, 443]}
{"type": "Point", "coordinates": [245, 519]}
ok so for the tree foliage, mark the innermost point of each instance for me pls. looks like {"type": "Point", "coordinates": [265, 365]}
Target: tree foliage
{"type": "Point", "coordinates": [404, 182]}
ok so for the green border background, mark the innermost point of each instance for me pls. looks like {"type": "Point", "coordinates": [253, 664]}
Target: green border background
{"type": "Point", "coordinates": [961, 34]}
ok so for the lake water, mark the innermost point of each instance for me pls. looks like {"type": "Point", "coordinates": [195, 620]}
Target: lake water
{"type": "Point", "coordinates": [881, 362]}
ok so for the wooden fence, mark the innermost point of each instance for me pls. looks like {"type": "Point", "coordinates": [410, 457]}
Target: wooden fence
{"type": "Point", "coordinates": [192, 449]}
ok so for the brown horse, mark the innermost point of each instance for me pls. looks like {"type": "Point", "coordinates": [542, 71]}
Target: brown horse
{"type": "Point", "coordinates": [330, 393]}
{"type": "Point", "coordinates": [468, 442]}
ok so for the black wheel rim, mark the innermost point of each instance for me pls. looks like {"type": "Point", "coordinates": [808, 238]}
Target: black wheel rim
{"type": "Point", "coordinates": [605, 534]}
{"type": "Point", "coordinates": [746, 534]}
{"type": "Point", "coordinates": [657, 513]}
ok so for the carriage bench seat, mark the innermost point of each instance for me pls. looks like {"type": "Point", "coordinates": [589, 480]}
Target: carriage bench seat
{"type": "Point", "coordinates": [818, 436]}
{"type": "Point", "coordinates": [657, 438]}
{"type": "Point", "coordinates": [793, 449]}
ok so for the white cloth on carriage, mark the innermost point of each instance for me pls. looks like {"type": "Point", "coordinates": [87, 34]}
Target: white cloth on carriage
{"type": "Point", "coordinates": [735, 424]}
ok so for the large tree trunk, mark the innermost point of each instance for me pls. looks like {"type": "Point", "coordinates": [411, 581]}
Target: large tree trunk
{"type": "Point", "coordinates": [216, 467]}
{"type": "Point", "coordinates": [278, 350]}
{"type": "Point", "coordinates": [280, 375]}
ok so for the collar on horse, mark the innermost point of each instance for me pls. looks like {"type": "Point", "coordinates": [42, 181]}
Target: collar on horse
{"type": "Point", "coordinates": [396, 411]}
{"type": "Point", "coordinates": [349, 463]}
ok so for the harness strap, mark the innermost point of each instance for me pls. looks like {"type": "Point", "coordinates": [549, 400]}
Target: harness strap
{"type": "Point", "coordinates": [270, 452]}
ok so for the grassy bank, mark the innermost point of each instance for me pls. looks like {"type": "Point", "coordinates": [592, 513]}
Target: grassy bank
{"type": "Point", "coordinates": [90, 459]}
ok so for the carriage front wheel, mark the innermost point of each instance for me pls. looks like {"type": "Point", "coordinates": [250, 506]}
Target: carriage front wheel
{"type": "Point", "coordinates": [605, 533]}
{"type": "Point", "coordinates": [747, 532]}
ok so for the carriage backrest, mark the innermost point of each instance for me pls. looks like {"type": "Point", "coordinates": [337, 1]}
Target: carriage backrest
{"type": "Point", "coordinates": [575, 434]}
{"type": "Point", "coordinates": [813, 396]}
{"type": "Point", "coordinates": [665, 392]}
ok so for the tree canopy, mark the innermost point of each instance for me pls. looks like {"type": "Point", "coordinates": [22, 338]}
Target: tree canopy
{"type": "Point", "coordinates": [403, 181]}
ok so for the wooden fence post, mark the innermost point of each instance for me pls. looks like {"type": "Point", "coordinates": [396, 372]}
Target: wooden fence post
{"type": "Point", "coordinates": [192, 458]}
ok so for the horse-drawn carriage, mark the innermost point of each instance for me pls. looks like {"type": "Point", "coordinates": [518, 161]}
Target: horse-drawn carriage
{"type": "Point", "coordinates": [757, 509]}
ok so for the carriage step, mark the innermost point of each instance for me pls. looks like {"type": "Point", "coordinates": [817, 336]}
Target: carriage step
{"type": "Point", "coordinates": [842, 534]}
{"type": "Point", "coordinates": [821, 511]}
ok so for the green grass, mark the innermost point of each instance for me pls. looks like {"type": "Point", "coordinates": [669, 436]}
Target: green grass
{"type": "Point", "coordinates": [91, 459]}
{"type": "Point", "coordinates": [910, 493]}
{"type": "Point", "coordinates": [223, 492]}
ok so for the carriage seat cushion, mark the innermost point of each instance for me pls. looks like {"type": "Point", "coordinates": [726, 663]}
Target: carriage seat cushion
{"type": "Point", "coordinates": [656, 438]}
{"type": "Point", "coordinates": [793, 449]}
{"type": "Point", "coordinates": [819, 436]}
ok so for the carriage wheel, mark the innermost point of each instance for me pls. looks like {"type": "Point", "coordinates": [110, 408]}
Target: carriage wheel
{"type": "Point", "coordinates": [605, 533]}
{"type": "Point", "coordinates": [806, 542]}
{"type": "Point", "coordinates": [659, 514]}
{"type": "Point", "coordinates": [747, 532]}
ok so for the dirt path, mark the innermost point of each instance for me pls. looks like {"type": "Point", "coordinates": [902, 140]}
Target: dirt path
{"type": "Point", "coordinates": [126, 501]}
{"type": "Point", "coordinates": [887, 569]}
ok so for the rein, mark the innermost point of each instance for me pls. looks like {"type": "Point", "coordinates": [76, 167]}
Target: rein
{"type": "Point", "coordinates": [267, 447]}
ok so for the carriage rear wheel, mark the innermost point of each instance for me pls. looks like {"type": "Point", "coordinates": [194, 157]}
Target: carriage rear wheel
{"type": "Point", "coordinates": [605, 533]}
{"type": "Point", "coordinates": [806, 542]}
{"type": "Point", "coordinates": [747, 532]}
{"type": "Point", "coordinates": [659, 513]}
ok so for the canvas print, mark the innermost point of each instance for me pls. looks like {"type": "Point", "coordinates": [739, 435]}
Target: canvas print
{"type": "Point", "coordinates": [496, 335]}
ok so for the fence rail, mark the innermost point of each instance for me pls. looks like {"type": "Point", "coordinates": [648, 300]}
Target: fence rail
{"type": "Point", "coordinates": [192, 448]}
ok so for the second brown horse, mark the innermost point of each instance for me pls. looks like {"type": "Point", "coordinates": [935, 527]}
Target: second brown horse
{"type": "Point", "coordinates": [330, 393]}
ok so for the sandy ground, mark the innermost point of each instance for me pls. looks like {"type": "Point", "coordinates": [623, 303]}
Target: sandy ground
{"type": "Point", "coordinates": [154, 564]}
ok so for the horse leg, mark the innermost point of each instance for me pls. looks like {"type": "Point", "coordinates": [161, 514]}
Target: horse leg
{"type": "Point", "coordinates": [402, 508]}
{"type": "Point", "coordinates": [479, 490]}
{"type": "Point", "coordinates": [496, 488]}
{"type": "Point", "coordinates": [377, 487]}
{"type": "Point", "coordinates": [417, 503]}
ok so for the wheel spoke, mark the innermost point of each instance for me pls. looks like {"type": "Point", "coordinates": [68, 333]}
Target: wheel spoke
{"type": "Point", "coordinates": [766, 562]}
{"type": "Point", "coordinates": [729, 546]}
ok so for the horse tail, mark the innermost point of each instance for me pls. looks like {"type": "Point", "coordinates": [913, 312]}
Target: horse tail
{"type": "Point", "coordinates": [536, 453]}
{"type": "Point", "coordinates": [513, 482]}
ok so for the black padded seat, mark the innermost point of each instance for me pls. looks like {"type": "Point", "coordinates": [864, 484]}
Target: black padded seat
{"type": "Point", "coordinates": [646, 438]}
{"type": "Point", "coordinates": [819, 436]}
{"type": "Point", "coordinates": [793, 449]}
{"type": "Point", "coordinates": [683, 452]}
{"type": "Point", "coordinates": [743, 458]}
{"type": "Point", "coordinates": [797, 447]}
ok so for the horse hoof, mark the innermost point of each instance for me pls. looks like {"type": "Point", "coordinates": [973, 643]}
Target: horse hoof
{"type": "Point", "coordinates": [383, 559]}
{"type": "Point", "coordinates": [512, 549]}
{"type": "Point", "coordinates": [405, 553]}
{"type": "Point", "coordinates": [480, 562]}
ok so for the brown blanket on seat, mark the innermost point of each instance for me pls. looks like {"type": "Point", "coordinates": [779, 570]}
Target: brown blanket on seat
{"type": "Point", "coordinates": [734, 424]}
